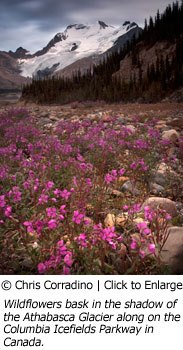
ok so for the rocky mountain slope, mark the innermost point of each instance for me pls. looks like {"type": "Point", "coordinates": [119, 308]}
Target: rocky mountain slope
{"type": "Point", "coordinates": [10, 78]}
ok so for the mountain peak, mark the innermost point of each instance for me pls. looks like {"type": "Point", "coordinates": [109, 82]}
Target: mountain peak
{"type": "Point", "coordinates": [126, 23]}
{"type": "Point", "coordinates": [131, 25]}
{"type": "Point", "coordinates": [19, 53]}
{"type": "Point", "coordinates": [76, 26]}
{"type": "Point", "coordinates": [102, 24]}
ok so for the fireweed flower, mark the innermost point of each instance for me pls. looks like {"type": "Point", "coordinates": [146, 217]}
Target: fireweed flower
{"type": "Point", "coordinates": [56, 192]}
{"type": "Point", "coordinates": [2, 201]}
{"type": "Point", "coordinates": [148, 213]}
{"type": "Point", "coordinates": [49, 185]}
{"type": "Point", "coordinates": [51, 212]}
{"type": "Point", "coordinates": [61, 248]}
{"type": "Point", "coordinates": [142, 226]}
{"type": "Point", "coordinates": [68, 259]}
{"type": "Point", "coordinates": [152, 248]}
{"type": "Point", "coordinates": [41, 268]}
{"type": "Point", "coordinates": [62, 209]}
{"type": "Point", "coordinates": [29, 226]}
{"type": "Point", "coordinates": [168, 217]}
{"type": "Point", "coordinates": [8, 211]}
{"type": "Point", "coordinates": [125, 207]}
{"type": "Point", "coordinates": [66, 270]}
{"type": "Point", "coordinates": [133, 165]}
{"type": "Point", "coordinates": [43, 198]}
{"type": "Point", "coordinates": [80, 158]}
{"type": "Point", "coordinates": [36, 185]}
{"type": "Point", "coordinates": [134, 209]}
{"type": "Point", "coordinates": [77, 217]}
{"type": "Point", "coordinates": [89, 182]}
{"type": "Point", "coordinates": [65, 194]}
{"type": "Point", "coordinates": [62, 256]}
{"type": "Point", "coordinates": [16, 194]}
{"type": "Point", "coordinates": [133, 245]}
{"type": "Point", "coordinates": [52, 224]}
{"type": "Point", "coordinates": [81, 240]}
{"type": "Point", "coordinates": [121, 171]}
{"type": "Point", "coordinates": [39, 225]}
{"type": "Point", "coordinates": [26, 185]}
{"type": "Point", "coordinates": [142, 254]}
{"type": "Point", "coordinates": [111, 177]}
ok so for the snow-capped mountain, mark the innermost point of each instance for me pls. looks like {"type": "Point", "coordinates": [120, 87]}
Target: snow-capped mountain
{"type": "Point", "coordinates": [78, 41]}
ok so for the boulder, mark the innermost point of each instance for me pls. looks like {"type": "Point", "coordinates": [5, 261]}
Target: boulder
{"type": "Point", "coordinates": [162, 203]}
{"type": "Point", "coordinates": [172, 253]}
{"type": "Point", "coordinates": [129, 186]}
{"type": "Point", "coordinates": [109, 220]}
{"type": "Point", "coordinates": [157, 189]}
{"type": "Point", "coordinates": [131, 128]}
{"type": "Point", "coordinates": [170, 135]}
{"type": "Point", "coordinates": [177, 122]}
{"type": "Point", "coordinates": [118, 220]}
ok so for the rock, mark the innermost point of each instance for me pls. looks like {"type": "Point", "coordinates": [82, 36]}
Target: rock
{"type": "Point", "coordinates": [122, 179]}
{"type": "Point", "coordinates": [160, 125]}
{"type": "Point", "coordinates": [27, 263]}
{"type": "Point", "coordinates": [117, 193]}
{"type": "Point", "coordinates": [106, 118]}
{"type": "Point", "coordinates": [54, 118]}
{"type": "Point", "coordinates": [157, 189]}
{"type": "Point", "coordinates": [109, 220]}
{"type": "Point", "coordinates": [177, 122]}
{"type": "Point", "coordinates": [170, 135]}
{"type": "Point", "coordinates": [172, 253]}
{"type": "Point", "coordinates": [45, 115]}
{"type": "Point", "coordinates": [163, 203]}
{"type": "Point", "coordinates": [128, 186]}
{"type": "Point", "coordinates": [131, 128]}
{"type": "Point", "coordinates": [138, 220]}
{"type": "Point", "coordinates": [160, 176]}
{"type": "Point", "coordinates": [121, 219]}
{"type": "Point", "coordinates": [88, 221]}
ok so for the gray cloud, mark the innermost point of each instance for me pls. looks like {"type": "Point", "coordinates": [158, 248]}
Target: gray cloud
{"type": "Point", "coordinates": [32, 23]}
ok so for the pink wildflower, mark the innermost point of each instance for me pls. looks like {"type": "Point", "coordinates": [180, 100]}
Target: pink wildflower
{"type": "Point", "coordinates": [68, 259]}
{"type": "Point", "coordinates": [8, 211]}
{"type": "Point", "coordinates": [2, 201]}
{"type": "Point", "coordinates": [148, 213]}
{"type": "Point", "coordinates": [66, 270]}
{"type": "Point", "coordinates": [62, 209]}
{"type": "Point", "coordinates": [52, 224]}
{"type": "Point", "coordinates": [142, 226]}
{"type": "Point", "coordinates": [51, 212]}
{"type": "Point", "coordinates": [77, 217]}
{"type": "Point", "coordinates": [152, 248]}
{"type": "Point", "coordinates": [142, 254]}
{"type": "Point", "coordinates": [49, 185]}
{"type": "Point", "coordinates": [133, 245]}
{"type": "Point", "coordinates": [41, 268]}
{"type": "Point", "coordinates": [65, 194]}
{"type": "Point", "coordinates": [89, 182]}
{"type": "Point", "coordinates": [29, 226]}
{"type": "Point", "coordinates": [43, 199]}
{"type": "Point", "coordinates": [121, 171]}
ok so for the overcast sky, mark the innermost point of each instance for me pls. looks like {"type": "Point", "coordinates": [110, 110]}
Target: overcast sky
{"type": "Point", "coordinates": [32, 23]}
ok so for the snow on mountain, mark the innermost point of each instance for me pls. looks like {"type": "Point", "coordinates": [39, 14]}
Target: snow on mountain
{"type": "Point", "coordinates": [76, 42]}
